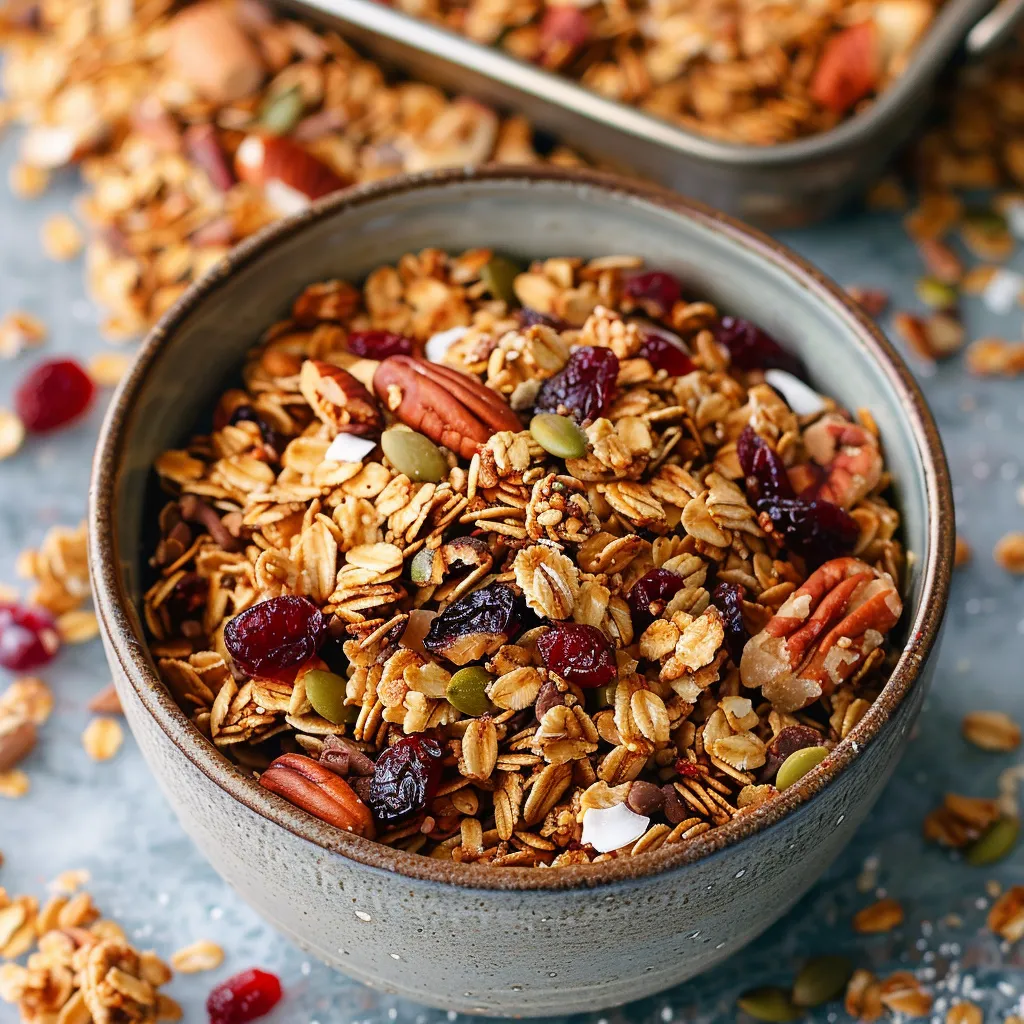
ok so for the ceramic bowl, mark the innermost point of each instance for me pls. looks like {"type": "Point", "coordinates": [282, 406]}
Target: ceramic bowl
{"type": "Point", "coordinates": [511, 941]}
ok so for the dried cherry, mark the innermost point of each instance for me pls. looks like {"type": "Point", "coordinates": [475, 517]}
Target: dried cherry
{"type": "Point", "coordinates": [728, 599]}
{"type": "Point", "coordinates": [649, 595]}
{"type": "Point", "coordinates": [28, 637]}
{"type": "Point", "coordinates": [379, 344]}
{"type": "Point", "coordinates": [788, 741]}
{"type": "Point", "coordinates": [405, 779]}
{"type": "Point", "coordinates": [476, 625]}
{"type": "Point", "coordinates": [579, 653]}
{"type": "Point", "coordinates": [529, 317]}
{"type": "Point", "coordinates": [272, 639]}
{"type": "Point", "coordinates": [245, 997]}
{"type": "Point", "coordinates": [751, 348]}
{"type": "Point", "coordinates": [654, 291]}
{"type": "Point", "coordinates": [763, 467]}
{"type": "Point", "coordinates": [665, 354]}
{"type": "Point", "coordinates": [583, 389]}
{"type": "Point", "coordinates": [53, 394]}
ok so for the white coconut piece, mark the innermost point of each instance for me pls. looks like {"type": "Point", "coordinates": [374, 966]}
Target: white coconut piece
{"type": "Point", "coordinates": [610, 828]}
{"type": "Point", "coordinates": [1014, 213]}
{"type": "Point", "coordinates": [438, 344]}
{"type": "Point", "coordinates": [1003, 290]}
{"type": "Point", "coordinates": [283, 198]}
{"type": "Point", "coordinates": [803, 400]}
{"type": "Point", "coordinates": [349, 448]}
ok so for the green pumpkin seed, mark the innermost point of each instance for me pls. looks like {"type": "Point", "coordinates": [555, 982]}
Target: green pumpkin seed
{"type": "Point", "coordinates": [935, 293]}
{"type": "Point", "coordinates": [604, 696]}
{"type": "Point", "coordinates": [280, 113]}
{"type": "Point", "coordinates": [415, 455]}
{"type": "Point", "coordinates": [421, 569]}
{"type": "Point", "coordinates": [326, 692]}
{"type": "Point", "coordinates": [467, 691]}
{"type": "Point", "coordinates": [798, 764]}
{"type": "Point", "coordinates": [768, 1003]}
{"type": "Point", "coordinates": [821, 980]}
{"type": "Point", "coordinates": [995, 844]}
{"type": "Point", "coordinates": [498, 276]}
{"type": "Point", "coordinates": [558, 435]}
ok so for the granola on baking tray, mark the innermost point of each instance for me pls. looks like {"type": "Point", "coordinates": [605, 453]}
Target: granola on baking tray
{"type": "Point", "coordinates": [524, 566]}
{"type": "Point", "coordinates": [759, 72]}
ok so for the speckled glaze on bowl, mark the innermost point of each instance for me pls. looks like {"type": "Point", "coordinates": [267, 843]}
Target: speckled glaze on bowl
{"type": "Point", "coordinates": [511, 941]}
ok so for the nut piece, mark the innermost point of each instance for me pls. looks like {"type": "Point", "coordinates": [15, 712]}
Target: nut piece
{"type": "Point", "coordinates": [309, 785]}
{"type": "Point", "coordinates": [882, 916]}
{"type": "Point", "coordinates": [1006, 918]}
{"type": "Point", "coordinates": [991, 730]}
{"type": "Point", "coordinates": [210, 51]}
{"type": "Point", "coordinates": [16, 742]}
{"type": "Point", "coordinates": [200, 956]}
{"type": "Point", "coordinates": [451, 408]}
{"type": "Point", "coordinates": [102, 738]}
{"type": "Point", "coordinates": [813, 643]}
{"type": "Point", "coordinates": [339, 399]}
{"type": "Point", "coordinates": [289, 175]}
{"type": "Point", "coordinates": [1009, 552]}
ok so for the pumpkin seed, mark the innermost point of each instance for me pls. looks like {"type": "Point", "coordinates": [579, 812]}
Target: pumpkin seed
{"type": "Point", "coordinates": [821, 980]}
{"type": "Point", "coordinates": [768, 1003]}
{"type": "Point", "coordinates": [498, 275]}
{"type": "Point", "coordinates": [467, 691]}
{"type": "Point", "coordinates": [604, 696]}
{"type": "Point", "coordinates": [798, 764]}
{"type": "Point", "coordinates": [421, 569]}
{"type": "Point", "coordinates": [935, 293]}
{"type": "Point", "coordinates": [415, 455]}
{"type": "Point", "coordinates": [326, 692]}
{"type": "Point", "coordinates": [280, 113]}
{"type": "Point", "coordinates": [558, 435]}
{"type": "Point", "coordinates": [995, 843]}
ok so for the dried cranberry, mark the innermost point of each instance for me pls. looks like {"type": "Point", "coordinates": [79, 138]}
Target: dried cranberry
{"type": "Point", "coordinates": [529, 317]}
{"type": "Point", "coordinates": [476, 625]}
{"type": "Point", "coordinates": [379, 344]}
{"type": "Point", "coordinates": [405, 779]}
{"type": "Point", "coordinates": [751, 348]}
{"type": "Point", "coordinates": [816, 529]}
{"type": "Point", "coordinates": [649, 595]}
{"type": "Point", "coordinates": [562, 28]}
{"type": "Point", "coordinates": [53, 394]}
{"type": "Point", "coordinates": [728, 599]}
{"type": "Point", "coordinates": [579, 653]}
{"type": "Point", "coordinates": [763, 467]}
{"type": "Point", "coordinates": [271, 438]}
{"type": "Point", "coordinates": [28, 637]}
{"type": "Point", "coordinates": [583, 389]}
{"type": "Point", "coordinates": [665, 354]}
{"type": "Point", "coordinates": [654, 291]}
{"type": "Point", "coordinates": [688, 768]}
{"type": "Point", "coordinates": [273, 638]}
{"type": "Point", "coordinates": [789, 741]}
{"type": "Point", "coordinates": [187, 597]}
{"type": "Point", "coordinates": [244, 997]}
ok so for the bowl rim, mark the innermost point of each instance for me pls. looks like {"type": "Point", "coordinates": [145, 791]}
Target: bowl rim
{"type": "Point", "coordinates": [129, 646]}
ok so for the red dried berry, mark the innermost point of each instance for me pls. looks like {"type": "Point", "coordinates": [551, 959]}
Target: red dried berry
{"type": "Point", "coordinates": [763, 467]}
{"type": "Point", "coordinates": [788, 741]}
{"type": "Point", "coordinates": [475, 625]}
{"type": "Point", "coordinates": [53, 394]}
{"type": "Point", "coordinates": [405, 779]}
{"type": "Point", "coordinates": [688, 768]}
{"type": "Point", "coordinates": [270, 437]}
{"type": "Point", "coordinates": [272, 639]}
{"type": "Point", "coordinates": [751, 348]}
{"type": "Point", "coordinates": [246, 996]}
{"type": "Point", "coordinates": [816, 529]}
{"type": "Point", "coordinates": [665, 354]}
{"type": "Point", "coordinates": [654, 291]}
{"type": "Point", "coordinates": [379, 344]}
{"type": "Point", "coordinates": [728, 599]}
{"type": "Point", "coordinates": [529, 317]}
{"type": "Point", "coordinates": [28, 637]}
{"type": "Point", "coordinates": [187, 597]}
{"type": "Point", "coordinates": [583, 389]}
{"type": "Point", "coordinates": [562, 28]}
{"type": "Point", "coordinates": [579, 653]}
{"type": "Point", "coordinates": [649, 595]}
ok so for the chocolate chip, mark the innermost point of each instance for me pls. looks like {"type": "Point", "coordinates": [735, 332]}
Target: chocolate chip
{"type": "Point", "coordinates": [675, 810]}
{"type": "Point", "coordinates": [548, 698]}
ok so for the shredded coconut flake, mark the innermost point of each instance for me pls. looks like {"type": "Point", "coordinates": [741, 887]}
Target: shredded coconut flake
{"type": "Point", "coordinates": [803, 400]}
{"type": "Point", "coordinates": [438, 344]}
{"type": "Point", "coordinates": [610, 828]}
{"type": "Point", "coordinates": [1000, 294]}
{"type": "Point", "coordinates": [349, 448]}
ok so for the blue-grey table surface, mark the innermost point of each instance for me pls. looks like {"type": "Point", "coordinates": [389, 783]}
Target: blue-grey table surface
{"type": "Point", "coordinates": [111, 819]}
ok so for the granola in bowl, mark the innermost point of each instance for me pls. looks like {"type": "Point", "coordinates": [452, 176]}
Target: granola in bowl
{"type": "Point", "coordinates": [524, 566]}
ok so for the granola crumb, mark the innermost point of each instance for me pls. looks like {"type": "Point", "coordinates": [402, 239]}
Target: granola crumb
{"type": "Point", "coordinates": [881, 916]}
{"type": "Point", "coordinates": [14, 784]}
{"type": "Point", "coordinates": [27, 181]}
{"type": "Point", "coordinates": [12, 434]}
{"type": "Point", "coordinates": [106, 702]}
{"type": "Point", "coordinates": [69, 882]}
{"type": "Point", "coordinates": [102, 738]}
{"type": "Point", "coordinates": [1009, 552]}
{"type": "Point", "coordinates": [199, 956]}
{"type": "Point", "coordinates": [962, 553]}
{"type": "Point", "coordinates": [78, 626]}
{"type": "Point", "coordinates": [991, 730]}
{"type": "Point", "coordinates": [107, 368]}
{"type": "Point", "coordinates": [62, 238]}
{"type": "Point", "coordinates": [18, 331]}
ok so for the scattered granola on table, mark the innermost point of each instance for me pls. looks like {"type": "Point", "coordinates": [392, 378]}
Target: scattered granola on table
{"type": "Point", "coordinates": [580, 582]}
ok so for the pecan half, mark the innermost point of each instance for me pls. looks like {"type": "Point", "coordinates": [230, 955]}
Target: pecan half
{"type": "Point", "coordinates": [309, 785]}
{"type": "Point", "coordinates": [16, 743]}
{"type": "Point", "coordinates": [822, 634]}
{"type": "Point", "coordinates": [339, 399]}
{"type": "Point", "coordinates": [451, 408]}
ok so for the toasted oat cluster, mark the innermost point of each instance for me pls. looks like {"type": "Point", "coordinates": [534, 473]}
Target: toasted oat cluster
{"type": "Point", "coordinates": [524, 565]}
{"type": "Point", "coordinates": [750, 71]}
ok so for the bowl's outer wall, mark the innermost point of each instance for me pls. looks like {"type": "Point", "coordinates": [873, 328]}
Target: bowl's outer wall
{"type": "Point", "coordinates": [531, 952]}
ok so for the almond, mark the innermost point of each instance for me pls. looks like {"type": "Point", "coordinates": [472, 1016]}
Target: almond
{"type": "Point", "coordinates": [338, 399]}
{"type": "Point", "coordinates": [289, 175]}
{"type": "Point", "coordinates": [451, 408]}
{"type": "Point", "coordinates": [16, 744]}
{"type": "Point", "coordinates": [211, 53]}
{"type": "Point", "coordinates": [309, 785]}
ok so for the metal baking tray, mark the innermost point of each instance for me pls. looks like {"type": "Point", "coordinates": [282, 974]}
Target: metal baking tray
{"type": "Point", "coordinates": [786, 185]}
